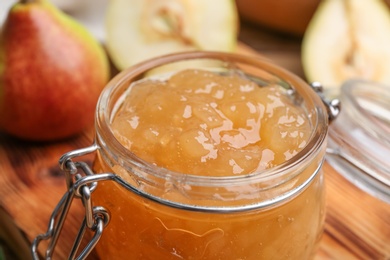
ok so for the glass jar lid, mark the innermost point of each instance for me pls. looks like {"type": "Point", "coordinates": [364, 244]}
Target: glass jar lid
{"type": "Point", "coordinates": [359, 139]}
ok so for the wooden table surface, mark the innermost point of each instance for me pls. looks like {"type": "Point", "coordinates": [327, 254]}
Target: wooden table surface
{"type": "Point", "coordinates": [357, 224]}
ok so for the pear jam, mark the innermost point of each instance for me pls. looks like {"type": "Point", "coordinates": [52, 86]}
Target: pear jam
{"type": "Point", "coordinates": [199, 120]}
{"type": "Point", "coordinates": [199, 123]}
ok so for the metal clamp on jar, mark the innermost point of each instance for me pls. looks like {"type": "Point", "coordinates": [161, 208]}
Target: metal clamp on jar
{"type": "Point", "coordinates": [139, 210]}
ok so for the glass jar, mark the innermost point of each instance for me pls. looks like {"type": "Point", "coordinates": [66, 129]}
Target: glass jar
{"type": "Point", "coordinates": [151, 212]}
{"type": "Point", "coordinates": [363, 125]}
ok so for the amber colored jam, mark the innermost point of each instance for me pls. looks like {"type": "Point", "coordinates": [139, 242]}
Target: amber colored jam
{"type": "Point", "coordinates": [209, 124]}
{"type": "Point", "coordinates": [199, 122]}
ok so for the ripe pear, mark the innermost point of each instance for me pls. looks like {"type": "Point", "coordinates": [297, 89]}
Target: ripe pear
{"type": "Point", "coordinates": [52, 71]}
{"type": "Point", "coordinates": [345, 40]}
{"type": "Point", "coordinates": [137, 30]}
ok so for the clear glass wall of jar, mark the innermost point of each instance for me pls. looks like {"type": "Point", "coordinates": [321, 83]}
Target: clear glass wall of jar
{"type": "Point", "coordinates": [359, 142]}
{"type": "Point", "coordinates": [160, 214]}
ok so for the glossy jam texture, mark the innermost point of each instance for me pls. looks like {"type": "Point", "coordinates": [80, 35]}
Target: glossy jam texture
{"type": "Point", "coordinates": [204, 123]}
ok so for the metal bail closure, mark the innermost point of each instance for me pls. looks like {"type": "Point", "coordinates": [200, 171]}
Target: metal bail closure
{"type": "Point", "coordinates": [79, 186]}
{"type": "Point", "coordinates": [333, 106]}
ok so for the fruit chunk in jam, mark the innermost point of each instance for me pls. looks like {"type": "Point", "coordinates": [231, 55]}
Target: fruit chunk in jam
{"type": "Point", "coordinates": [198, 120]}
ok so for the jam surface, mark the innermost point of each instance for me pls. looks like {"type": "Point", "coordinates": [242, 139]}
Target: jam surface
{"type": "Point", "coordinates": [198, 120]}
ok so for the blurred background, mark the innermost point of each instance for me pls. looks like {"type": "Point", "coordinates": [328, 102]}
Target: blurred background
{"type": "Point", "coordinates": [273, 28]}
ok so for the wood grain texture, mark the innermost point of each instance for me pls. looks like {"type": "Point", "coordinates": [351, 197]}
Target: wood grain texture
{"type": "Point", "coordinates": [31, 183]}
{"type": "Point", "coordinates": [357, 224]}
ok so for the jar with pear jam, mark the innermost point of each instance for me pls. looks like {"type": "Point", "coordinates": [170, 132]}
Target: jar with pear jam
{"type": "Point", "coordinates": [205, 155]}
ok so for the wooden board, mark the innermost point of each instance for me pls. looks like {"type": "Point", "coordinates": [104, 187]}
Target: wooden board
{"type": "Point", "coordinates": [31, 183]}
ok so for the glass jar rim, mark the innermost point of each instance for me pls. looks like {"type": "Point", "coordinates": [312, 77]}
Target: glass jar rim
{"type": "Point", "coordinates": [319, 131]}
{"type": "Point", "coordinates": [365, 103]}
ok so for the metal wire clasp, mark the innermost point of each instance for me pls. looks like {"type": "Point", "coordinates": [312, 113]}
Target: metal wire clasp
{"type": "Point", "coordinates": [81, 182]}
{"type": "Point", "coordinates": [333, 106]}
